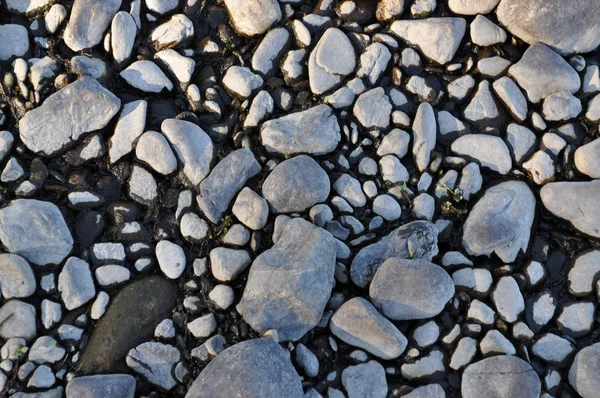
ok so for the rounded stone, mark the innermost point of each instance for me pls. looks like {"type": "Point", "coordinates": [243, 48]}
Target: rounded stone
{"type": "Point", "coordinates": [410, 289]}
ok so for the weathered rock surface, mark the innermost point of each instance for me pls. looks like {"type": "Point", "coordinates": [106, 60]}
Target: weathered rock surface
{"type": "Point", "coordinates": [417, 239]}
{"type": "Point", "coordinates": [67, 115]}
{"type": "Point", "coordinates": [290, 283]}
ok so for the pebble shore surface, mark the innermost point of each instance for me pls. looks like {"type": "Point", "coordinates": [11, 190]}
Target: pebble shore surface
{"type": "Point", "coordinates": [299, 199]}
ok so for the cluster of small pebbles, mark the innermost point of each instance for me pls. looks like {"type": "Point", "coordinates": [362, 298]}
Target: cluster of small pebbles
{"type": "Point", "coordinates": [289, 198]}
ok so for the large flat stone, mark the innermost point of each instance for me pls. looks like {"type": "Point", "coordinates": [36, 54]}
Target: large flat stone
{"type": "Point", "coordinates": [67, 115]}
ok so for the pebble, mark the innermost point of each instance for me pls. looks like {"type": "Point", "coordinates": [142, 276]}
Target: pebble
{"type": "Point", "coordinates": [314, 131]}
{"type": "Point", "coordinates": [485, 33]}
{"type": "Point", "coordinates": [331, 60]}
{"type": "Point", "coordinates": [17, 319]}
{"type": "Point", "coordinates": [587, 159]}
{"type": "Point", "coordinates": [254, 17]}
{"type": "Point", "coordinates": [553, 349]}
{"type": "Point", "coordinates": [224, 181]}
{"type": "Point", "coordinates": [424, 135]}
{"type": "Point", "coordinates": [193, 148]}
{"type": "Point", "coordinates": [257, 367]}
{"type": "Point", "coordinates": [489, 151]}
{"type": "Point", "coordinates": [500, 222]}
{"type": "Point", "coordinates": [521, 142]}
{"type": "Point", "coordinates": [540, 167]}
{"type": "Point", "coordinates": [561, 106]}
{"type": "Point", "coordinates": [171, 259]}
{"type": "Point", "coordinates": [129, 128]}
{"type": "Point", "coordinates": [101, 385]}
{"type": "Point", "coordinates": [415, 240]}
{"type": "Point", "coordinates": [172, 33]}
{"type": "Point", "coordinates": [472, 7]}
{"type": "Point", "coordinates": [153, 149]}
{"type": "Point", "coordinates": [387, 207]}
{"type": "Point", "coordinates": [296, 185]}
{"type": "Point", "coordinates": [146, 76]}
{"type": "Point", "coordinates": [241, 82]}
{"type": "Point", "coordinates": [576, 319]}
{"type": "Point", "coordinates": [16, 277]}
{"type": "Point", "coordinates": [268, 53]}
{"type": "Point", "coordinates": [373, 62]}
{"type": "Point", "coordinates": [437, 38]}
{"type": "Point", "coordinates": [75, 283]}
{"type": "Point", "coordinates": [574, 202]}
{"type": "Point", "coordinates": [420, 289]}
{"type": "Point", "coordinates": [504, 376]}
{"type": "Point", "coordinates": [251, 209]}
{"type": "Point", "coordinates": [372, 109]}
{"type": "Point", "coordinates": [227, 264]}
{"type": "Point", "coordinates": [279, 273]}
{"type": "Point", "coordinates": [85, 14]}
{"type": "Point", "coordinates": [582, 373]}
{"type": "Point", "coordinates": [373, 333]}
{"type": "Point", "coordinates": [155, 361]}
{"type": "Point", "coordinates": [307, 360]}
{"type": "Point", "coordinates": [123, 30]}
{"type": "Point", "coordinates": [365, 380]}
{"type": "Point", "coordinates": [508, 299]}
{"type": "Point", "coordinates": [512, 97]}
{"type": "Point", "coordinates": [494, 343]}
{"type": "Point", "coordinates": [541, 72]}
{"type": "Point", "coordinates": [567, 29]}
{"type": "Point", "coordinates": [142, 186]}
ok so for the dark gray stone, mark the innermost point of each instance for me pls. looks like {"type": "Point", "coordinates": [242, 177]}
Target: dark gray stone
{"type": "Point", "coordinates": [101, 386]}
{"type": "Point", "coordinates": [417, 239]}
{"type": "Point", "coordinates": [290, 283]}
{"type": "Point", "coordinates": [257, 368]}
{"type": "Point", "coordinates": [129, 321]}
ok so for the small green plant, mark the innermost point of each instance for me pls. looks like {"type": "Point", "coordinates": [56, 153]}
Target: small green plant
{"type": "Point", "coordinates": [21, 351]}
{"type": "Point", "coordinates": [449, 209]}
